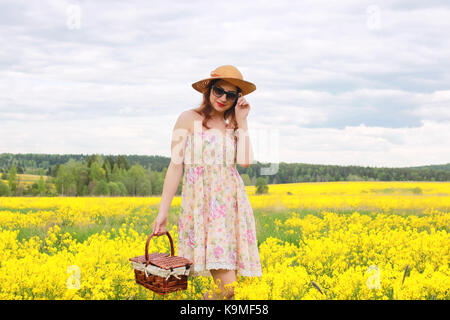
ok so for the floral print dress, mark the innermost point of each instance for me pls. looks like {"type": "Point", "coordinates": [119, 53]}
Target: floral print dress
{"type": "Point", "coordinates": [216, 227]}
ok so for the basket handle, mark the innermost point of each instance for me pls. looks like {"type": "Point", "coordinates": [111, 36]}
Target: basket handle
{"type": "Point", "coordinates": [172, 253]}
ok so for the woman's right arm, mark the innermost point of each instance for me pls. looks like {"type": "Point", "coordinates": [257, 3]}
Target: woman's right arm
{"type": "Point", "coordinates": [174, 171]}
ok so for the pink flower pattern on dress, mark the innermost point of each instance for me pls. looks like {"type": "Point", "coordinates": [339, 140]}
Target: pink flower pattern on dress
{"type": "Point", "coordinates": [194, 174]}
{"type": "Point", "coordinates": [217, 210]}
{"type": "Point", "coordinates": [216, 222]}
{"type": "Point", "coordinates": [250, 236]}
{"type": "Point", "coordinates": [180, 226]}
{"type": "Point", "coordinates": [218, 252]}
{"type": "Point", "coordinates": [191, 240]}
{"type": "Point", "coordinates": [232, 257]}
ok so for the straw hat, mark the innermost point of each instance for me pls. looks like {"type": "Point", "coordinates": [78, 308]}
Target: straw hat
{"type": "Point", "coordinates": [229, 73]}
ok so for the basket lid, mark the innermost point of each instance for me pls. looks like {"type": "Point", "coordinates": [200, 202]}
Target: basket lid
{"type": "Point", "coordinates": [141, 259]}
{"type": "Point", "coordinates": [162, 260]}
{"type": "Point", "coordinates": [169, 262]}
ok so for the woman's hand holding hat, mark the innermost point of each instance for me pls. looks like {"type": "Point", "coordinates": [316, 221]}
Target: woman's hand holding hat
{"type": "Point", "coordinates": [241, 110]}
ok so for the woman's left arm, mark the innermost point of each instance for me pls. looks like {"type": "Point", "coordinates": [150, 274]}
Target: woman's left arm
{"type": "Point", "coordinates": [244, 153]}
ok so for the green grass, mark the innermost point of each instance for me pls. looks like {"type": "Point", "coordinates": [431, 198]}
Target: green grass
{"type": "Point", "coordinates": [83, 232]}
{"type": "Point", "coordinates": [28, 210]}
{"type": "Point", "coordinates": [264, 218]}
{"type": "Point", "coordinates": [416, 190]}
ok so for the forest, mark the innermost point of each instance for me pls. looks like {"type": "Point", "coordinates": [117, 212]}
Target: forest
{"type": "Point", "coordinates": [137, 175]}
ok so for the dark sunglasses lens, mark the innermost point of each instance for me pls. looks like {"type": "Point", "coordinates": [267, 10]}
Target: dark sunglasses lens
{"type": "Point", "coordinates": [231, 96]}
{"type": "Point", "coordinates": [218, 92]}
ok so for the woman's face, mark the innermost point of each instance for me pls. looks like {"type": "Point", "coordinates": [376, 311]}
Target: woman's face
{"type": "Point", "coordinates": [221, 104]}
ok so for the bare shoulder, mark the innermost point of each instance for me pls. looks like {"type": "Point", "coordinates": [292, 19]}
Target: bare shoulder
{"type": "Point", "coordinates": [193, 115]}
{"type": "Point", "coordinates": [189, 114]}
{"type": "Point", "coordinates": [185, 120]}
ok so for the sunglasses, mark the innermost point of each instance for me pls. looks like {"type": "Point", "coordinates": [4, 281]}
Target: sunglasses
{"type": "Point", "coordinates": [231, 95]}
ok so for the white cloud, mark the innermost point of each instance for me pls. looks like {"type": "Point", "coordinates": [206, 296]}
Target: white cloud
{"type": "Point", "coordinates": [341, 92]}
{"type": "Point", "coordinates": [360, 145]}
{"type": "Point", "coordinates": [435, 106]}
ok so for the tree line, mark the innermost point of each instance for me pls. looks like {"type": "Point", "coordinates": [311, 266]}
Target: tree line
{"type": "Point", "coordinates": [96, 175]}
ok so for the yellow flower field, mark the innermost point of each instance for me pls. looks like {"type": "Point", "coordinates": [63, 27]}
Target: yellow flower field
{"type": "Point", "coordinates": [334, 240]}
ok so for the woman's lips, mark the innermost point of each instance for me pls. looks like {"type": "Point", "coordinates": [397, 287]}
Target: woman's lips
{"type": "Point", "coordinates": [220, 105]}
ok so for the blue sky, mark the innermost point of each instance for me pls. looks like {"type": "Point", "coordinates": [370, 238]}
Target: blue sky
{"type": "Point", "coordinates": [343, 83]}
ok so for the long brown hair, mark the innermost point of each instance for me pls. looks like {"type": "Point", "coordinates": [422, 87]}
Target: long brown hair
{"type": "Point", "coordinates": [206, 107]}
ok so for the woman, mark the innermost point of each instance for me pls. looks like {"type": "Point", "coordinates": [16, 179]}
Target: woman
{"type": "Point", "coordinates": [216, 224]}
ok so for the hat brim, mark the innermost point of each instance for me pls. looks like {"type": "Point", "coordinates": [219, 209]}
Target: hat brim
{"type": "Point", "coordinates": [246, 86]}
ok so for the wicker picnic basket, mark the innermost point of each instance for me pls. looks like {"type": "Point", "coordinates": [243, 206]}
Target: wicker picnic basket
{"type": "Point", "coordinates": [160, 272]}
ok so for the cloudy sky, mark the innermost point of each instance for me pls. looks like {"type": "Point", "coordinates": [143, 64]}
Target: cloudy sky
{"type": "Point", "coordinates": [345, 83]}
